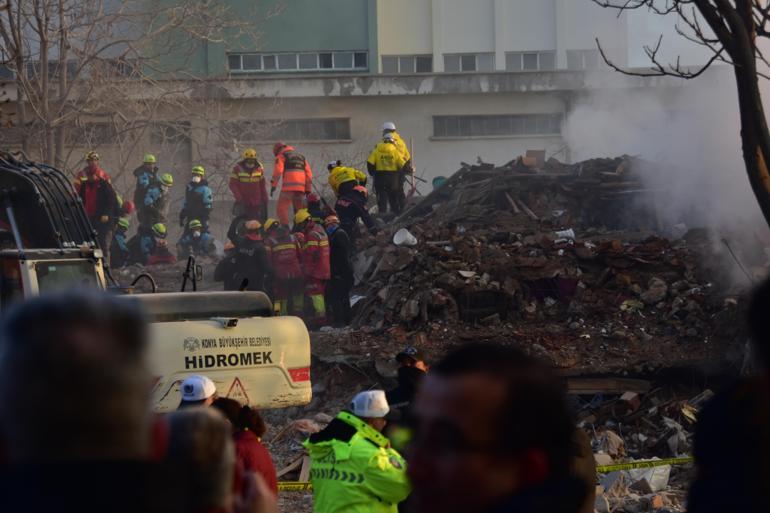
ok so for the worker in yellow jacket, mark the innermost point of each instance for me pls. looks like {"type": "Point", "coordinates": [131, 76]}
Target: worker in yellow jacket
{"type": "Point", "coordinates": [390, 128]}
{"type": "Point", "coordinates": [386, 163]}
{"type": "Point", "coordinates": [343, 179]}
{"type": "Point", "coordinates": [353, 469]}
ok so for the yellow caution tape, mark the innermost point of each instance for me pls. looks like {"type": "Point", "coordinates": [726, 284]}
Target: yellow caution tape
{"type": "Point", "coordinates": [299, 486]}
{"type": "Point", "coordinates": [603, 469]}
{"type": "Point", "coordinates": [294, 486]}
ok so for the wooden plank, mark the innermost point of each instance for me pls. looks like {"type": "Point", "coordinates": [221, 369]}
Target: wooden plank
{"type": "Point", "coordinates": [590, 386]}
{"type": "Point", "coordinates": [528, 211]}
{"type": "Point", "coordinates": [304, 474]}
{"type": "Point", "coordinates": [512, 203]}
{"type": "Point", "coordinates": [294, 465]}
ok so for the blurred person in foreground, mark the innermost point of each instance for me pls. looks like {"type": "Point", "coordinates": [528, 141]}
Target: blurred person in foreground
{"type": "Point", "coordinates": [412, 370]}
{"type": "Point", "coordinates": [493, 434]}
{"type": "Point", "coordinates": [76, 428]}
{"type": "Point", "coordinates": [248, 429]}
{"type": "Point", "coordinates": [201, 450]}
{"type": "Point", "coordinates": [732, 436]}
{"type": "Point", "coordinates": [353, 468]}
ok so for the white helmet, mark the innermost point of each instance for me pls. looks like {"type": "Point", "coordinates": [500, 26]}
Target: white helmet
{"type": "Point", "coordinates": [333, 164]}
{"type": "Point", "coordinates": [388, 125]}
{"type": "Point", "coordinates": [371, 404]}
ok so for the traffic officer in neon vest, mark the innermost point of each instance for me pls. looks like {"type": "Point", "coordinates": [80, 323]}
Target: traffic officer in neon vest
{"type": "Point", "coordinates": [247, 183]}
{"type": "Point", "coordinates": [291, 167]}
{"type": "Point", "coordinates": [353, 468]}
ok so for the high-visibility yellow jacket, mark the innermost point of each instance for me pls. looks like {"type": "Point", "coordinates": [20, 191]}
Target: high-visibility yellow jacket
{"type": "Point", "coordinates": [386, 157]}
{"type": "Point", "coordinates": [403, 149]}
{"type": "Point", "coordinates": [353, 470]}
{"type": "Point", "coordinates": [341, 174]}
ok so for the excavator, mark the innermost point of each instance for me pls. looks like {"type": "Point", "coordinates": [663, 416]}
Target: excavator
{"type": "Point", "coordinates": [47, 244]}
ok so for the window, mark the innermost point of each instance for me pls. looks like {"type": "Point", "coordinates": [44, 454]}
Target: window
{"type": "Point", "coordinates": [530, 61]}
{"type": "Point", "coordinates": [92, 134]}
{"type": "Point", "coordinates": [250, 62]}
{"type": "Point", "coordinates": [407, 64]}
{"type": "Point", "coordinates": [469, 62]}
{"type": "Point", "coordinates": [583, 59]}
{"type": "Point", "coordinates": [497, 125]}
{"type": "Point", "coordinates": [321, 129]}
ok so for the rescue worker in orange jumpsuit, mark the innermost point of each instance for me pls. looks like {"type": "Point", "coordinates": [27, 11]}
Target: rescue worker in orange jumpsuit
{"type": "Point", "coordinates": [297, 176]}
{"type": "Point", "coordinates": [315, 264]}
{"type": "Point", "coordinates": [247, 183]}
{"type": "Point", "coordinates": [288, 280]}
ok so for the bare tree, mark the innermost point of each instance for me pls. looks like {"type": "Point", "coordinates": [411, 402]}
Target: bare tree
{"type": "Point", "coordinates": [97, 72]}
{"type": "Point", "coordinates": [732, 31]}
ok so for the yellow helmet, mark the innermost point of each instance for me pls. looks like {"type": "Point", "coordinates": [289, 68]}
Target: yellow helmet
{"type": "Point", "coordinates": [149, 158]}
{"type": "Point", "coordinates": [92, 155]}
{"type": "Point", "coordinates": [198, 170]}
{"type": "Point", "coordinates": [270, 223]}
{"type": "Point", "coordinates": [249, 153]}
{"type": "Point", "coordinates": [301, 216]}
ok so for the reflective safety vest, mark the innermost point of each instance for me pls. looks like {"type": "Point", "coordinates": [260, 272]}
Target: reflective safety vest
{"type": "Point", "coordinates": [386, 157]}
{"type": "Point", "coordinates": [402, 147]}
{"type": "Point", "coordinates": [340, 175]}
{"type": "Point", "coordinates": [284, 253]}
{"type": "Point", "coordinates": [315, 253]}
{"type": "Point", "coordinates": [294, 169]}
{"type": "Point", "coordinates": [248, 186]}
{"type": "Point", "coordinates": [353, 470]}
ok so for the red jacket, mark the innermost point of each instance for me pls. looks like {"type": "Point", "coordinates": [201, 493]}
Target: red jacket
{"type": "Point", "coordinates": [98, 196]}
{"type": "Point", "coordinates": [248, 186]}
{"type": "Point", "coordinates": [283, 250]}
{"type": "Point", "coordinates": [252, 456]}
{"type": "Point", "coordinates": [296, 172]}
{"type": "Point", "coordinates": [315, 252]}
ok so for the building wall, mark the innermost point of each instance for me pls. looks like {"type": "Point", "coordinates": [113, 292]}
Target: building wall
{"type": "Point", "coordinates": [405, 27]}
{"type": "Point", "coordinates": [578, 26]}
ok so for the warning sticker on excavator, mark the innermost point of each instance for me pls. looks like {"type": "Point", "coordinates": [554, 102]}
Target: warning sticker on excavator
{"type": "Point", "coordinates": [238, 392]}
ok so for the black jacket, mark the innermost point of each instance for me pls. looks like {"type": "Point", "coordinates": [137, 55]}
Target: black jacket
{"type": "Point", "coordinates": [106, 199]}
{"type": "Point", "coordinates": [555, 496]}
{"type": "Point", "coordinates": [400, 398]}
{"type": "Point", "coordinates": [339, 261]}
{"type": "Point", "coordinates": [350, 208]}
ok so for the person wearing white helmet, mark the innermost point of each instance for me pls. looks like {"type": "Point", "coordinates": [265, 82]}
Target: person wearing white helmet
{"type": "Point", "coordinates": [386, 165]}
{"type": "Point", "coordinates": [390, 128]}
{"type": "Point", "coordinates": [353, 468]}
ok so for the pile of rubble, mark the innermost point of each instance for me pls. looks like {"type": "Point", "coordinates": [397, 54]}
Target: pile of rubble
{"type": "Point", "coordinates": [527, 254]}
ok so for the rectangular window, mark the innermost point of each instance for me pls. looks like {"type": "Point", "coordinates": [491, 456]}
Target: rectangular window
{"type": "Point", "coordinates": [497, 125]}
{"type": "Point", "coordinates": [390, 65]}
{"type": "Point", "coordinates": [251, 62]}
{"type": "Point", "coordinates": [343, 60]}
{"type": "Point", "coordinates": [424, 63]}
{"type": "Point", "coordinates": [325, 60]}
{"type": "Point", "coordinates": [591, 59]}
{"type": "Point", "coordinates": [452, 63]}
{"type": "Point", "coordinates": [547, 61]}
{"type": "Point", "coordinates": [513, 62]}
{"type": "Point", "coordinates": [467, 63]}
{"type": "Point", "coordinates": [583, 59]}
{"type": "Point", "coordinates": [530, 62]}
{"type": "Point", "coordinates": [485, 62]}
{"type": "Point", "coordinates": [234, 62]}
{"type": "Point", "coordinates": [290, 130]}
{"type": "Point", "coordinates": [406, 64]}
{"type": "Point", "coordinates": [308, 61]}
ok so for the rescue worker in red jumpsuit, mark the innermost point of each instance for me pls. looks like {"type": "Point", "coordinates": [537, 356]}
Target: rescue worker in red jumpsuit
{"type": "Point", "coordinates": [315, 264]}
{"type": "Point", "coordinates": [99, 200]}
{"type": "Point", "coordinates": [247, 183]}
{"type": "Point", "coordinates": [288, 280]}
{"type": "Point", "coordinates": [297, 176]}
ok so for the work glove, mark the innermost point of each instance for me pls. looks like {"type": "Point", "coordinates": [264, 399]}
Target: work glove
{"type": "Point", "coordinates": [272, 191]}
{"type": "Point", "coordinates": [104, 219]}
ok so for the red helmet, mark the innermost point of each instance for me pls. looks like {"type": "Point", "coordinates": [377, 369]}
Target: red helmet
{"type": "Point", "coordinates": [313, 198]}
{"type": "Point", "coordinates": [277, 147]}
{"type": "Point", "coordinates": [362, 190]}
{"type": "Point", "coordinates": [129, 207]}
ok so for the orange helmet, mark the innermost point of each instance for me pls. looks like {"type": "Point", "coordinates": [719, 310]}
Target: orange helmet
{"type": "Point", "coordinates": [277, 147]}
{"type": "Point", "coordinates": [332, 219]}
{"type": "Point", "coordinates": [362, 190]}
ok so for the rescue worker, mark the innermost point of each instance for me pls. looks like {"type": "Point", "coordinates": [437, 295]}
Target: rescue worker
{"type": "Point", "coordinates": [146, 176]}
{"type": "Point", "coordinates": [247, 183]}
{"type": "Point", "coordinates": [317, 212]}
{"type": "Point", "coordinates": [195, 240]}
{"type": "Point", "coordinates": [157, 201]}
{"type": "Point", "coordinates": [198, 199]}
{"type": "Point", "coordinates": [342, 179]}
{"type": "Point", "coordinates": [314, 248]}
{"type": "Point", "coordinates": [285, 259]}
{"type": "Point", "coordinates": [353, 469]}
{"type": "Point", "coordinates": [155, 248]}
{"type": "Point", "coordinates": [385, 163]}
{"type": "Point", "coordinates": [390, 128]}
{"type": "Point", "coordinates": [412, 369]}
{"type": "Point", "coordinates": [341, 270]}
{"type": "Point", "coordinates": [251, 261]}
{"type": "Point", "coordinates": [99, 200]}
{"type": "Point", "coordinates": [291, 167]}
{"type": "Point", "coordinates": [119, 252]}
{"type": "Point", "coordinates": [350, 207]}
